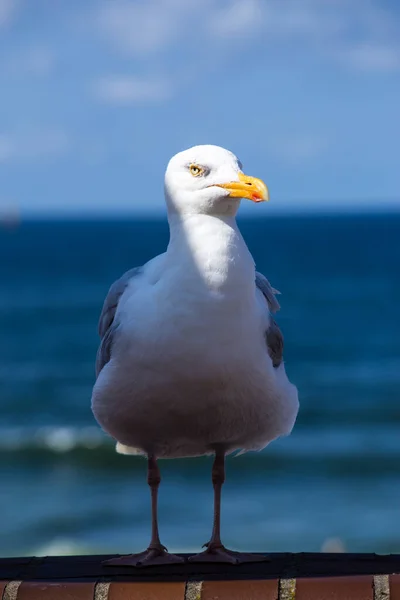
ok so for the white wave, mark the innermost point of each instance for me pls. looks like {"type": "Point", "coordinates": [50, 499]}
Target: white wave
{"type": "Point", "coordinates": [54, 439]}
{"type": "Point", "coordinates": [60, 547]}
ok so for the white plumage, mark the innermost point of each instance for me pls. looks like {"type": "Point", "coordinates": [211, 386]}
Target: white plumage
{"type": "Point", "coordinates": [191, 361]}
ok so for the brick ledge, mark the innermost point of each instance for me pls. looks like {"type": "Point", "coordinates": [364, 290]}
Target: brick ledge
{"type": "Point", "coordinates": [304, 576]}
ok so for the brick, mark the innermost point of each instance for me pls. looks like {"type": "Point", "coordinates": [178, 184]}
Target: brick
{"type": "Point", "coordinates": [147, 591]}
{"type": "Point", "coordinates": [240, 590]}
{"type": "Point", "coordinates": [11, 590]}
{"type": "Point", "coordinates": [30, 590]}
{"type": "Point", "coordinates": [335, 588]}
{"type": "Point", "coordinates": [394, 584]}
{"type": "Point", "coordinates": [2, 588]}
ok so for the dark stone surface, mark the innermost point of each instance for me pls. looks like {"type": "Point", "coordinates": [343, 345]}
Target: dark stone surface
{"type": "Point", "coordinates": [280, 565]}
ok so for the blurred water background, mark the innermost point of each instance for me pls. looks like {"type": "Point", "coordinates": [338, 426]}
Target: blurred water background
{"type": "Point", "coordinates": [337, 477]}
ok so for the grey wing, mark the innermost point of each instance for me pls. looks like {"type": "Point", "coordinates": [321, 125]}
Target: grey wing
{"type": "Point", "coordinates": [107, 324]}
{"type": "Point", "coordinates": [273, 335]}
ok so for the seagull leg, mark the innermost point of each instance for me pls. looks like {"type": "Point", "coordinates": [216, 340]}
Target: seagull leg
{"type": "Point", "coordinates": [156, 553]}
{"type": "Point", "coordinates": [215, 550]}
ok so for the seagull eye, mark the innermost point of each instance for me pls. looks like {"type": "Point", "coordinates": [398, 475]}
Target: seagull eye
{"type": "Point", "coordinates": [196, 171]}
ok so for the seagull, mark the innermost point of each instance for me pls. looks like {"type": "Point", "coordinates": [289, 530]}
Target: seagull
{"type": "Point", "coordinates": [190, 361]}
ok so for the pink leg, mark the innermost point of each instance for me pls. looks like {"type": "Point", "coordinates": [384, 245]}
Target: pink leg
{"type": "Point", "coordinates": [218, 479]}
{"type": "Point", "coordinates": [215, 550]}
{"type": "Point", "coordinates": [156, 553]}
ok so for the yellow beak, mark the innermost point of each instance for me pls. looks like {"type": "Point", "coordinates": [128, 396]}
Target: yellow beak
{"type": "Point", "coordinates": [247, 187]}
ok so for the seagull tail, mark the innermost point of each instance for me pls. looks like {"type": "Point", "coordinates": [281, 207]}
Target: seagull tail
{"type": "Point", "coordinates": [122, 449]}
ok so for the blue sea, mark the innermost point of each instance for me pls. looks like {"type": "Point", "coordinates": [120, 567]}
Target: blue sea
{"type": "Point", "coordinates": [333, 484]}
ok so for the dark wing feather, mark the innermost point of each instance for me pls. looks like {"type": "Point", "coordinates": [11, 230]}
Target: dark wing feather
{"type": "Point", "coordinates": [107, 324]}
{"type": "Point", "coordinates": [273, 335]}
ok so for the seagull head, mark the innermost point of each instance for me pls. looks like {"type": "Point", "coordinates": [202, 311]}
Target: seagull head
{"type": "Point", "coordinates": [209, 180]}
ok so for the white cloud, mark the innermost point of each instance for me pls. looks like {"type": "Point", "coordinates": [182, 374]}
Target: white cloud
{"type": "Point", "coordinates": [278, 20]}
{"type": "Point", "coordinates": [359, 34]}
{"type": "Point", "coordinates": [238, 18]}
{"type": "Point", "coordinates": [145, 28]}
{"type": "Point", "coordinates": [33, 145]}
{"type": "Point", "coordinates": [310, 19]}
{"type": "Point", "coordinates": [125, 89]}
{"type": "Point", "coordinates": [374, 57]}
{"type": "Point", "coordinates": [7, 11]}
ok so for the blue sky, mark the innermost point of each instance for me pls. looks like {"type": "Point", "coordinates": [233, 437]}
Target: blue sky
{"type": "Point", "coordinates": [97, 95]}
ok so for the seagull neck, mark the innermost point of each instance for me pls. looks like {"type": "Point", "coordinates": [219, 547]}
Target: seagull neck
{"type": "Point", "coordinates": [212, 247]}
{"type": "Point", "coordinates": [180, 222]}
